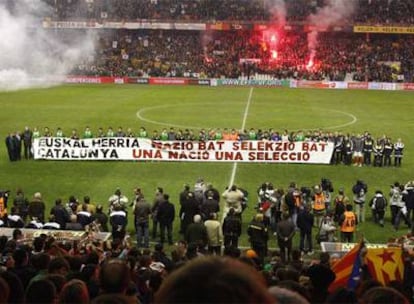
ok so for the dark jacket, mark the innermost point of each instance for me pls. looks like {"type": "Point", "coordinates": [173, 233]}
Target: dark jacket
{"type": "Point", "coordinates": [305, 221]}
{"type": "Point", "coordinates": [142, 212]}
{"type": "Point", "coordinates": [189, 208]}
{"type": "Point", "coordinates": [285, 228]}
{"type": "Point", "coordinates": [21, 203]}
{"type": "Point", "coordinates": [102, 219]}
{"type": "Point", "coordinates": [209, 206]}
{"type": "Point", "coordinates": [166, 213]}
{"type": "Point", "coordinates": [61, 215]}
{"type": "Point", "coordinates": [37, 209]}
{"type": "Point", "coordinates": [159, 198]}
{"type": "Point", "coordinates": [84, 218]}
{"type": "Point", "coordinates": [257, 232]}
{"type": "Point", "coordinates": [196, 233]}
{"type": "Point", "coordinates": [118, 220]}
{"type": "Point", "coordinates": [232, 226]}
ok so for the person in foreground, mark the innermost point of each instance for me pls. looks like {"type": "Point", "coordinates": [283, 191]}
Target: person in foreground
{"type": "Point", "coordinates": [213, 280]}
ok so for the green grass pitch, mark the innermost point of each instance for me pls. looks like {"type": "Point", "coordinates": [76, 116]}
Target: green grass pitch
{"type": "Point", "coordinates": [155, 107]}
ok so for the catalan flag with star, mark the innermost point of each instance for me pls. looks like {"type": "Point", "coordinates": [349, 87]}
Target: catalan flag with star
{"type": "Point", "coordinates": [348, 269]}
{"type": "Point", "coordinates": [385, 264]}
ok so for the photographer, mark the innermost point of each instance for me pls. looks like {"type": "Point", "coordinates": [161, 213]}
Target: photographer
{"type": "Point", "coordinates": [395, 201]}
{"type": "Point", "coordinates": [266, 200]}
{"type": "Point", "coordinates": [348, 223]}
{"type": "Point", "coordinates": [399, 199]}
{"type": "Point", "coordinates": [327, 189]}
{"type": "Point", "coordinates": [318, 205]}
{"type": "Point", "coordinates": [341, 200]}
{"type": "Point", "coordinates": [327, 229]}
{"type": "Point", "coordinates": [360, 191]}
{"type": "Point", "coordinates": [378, 205]}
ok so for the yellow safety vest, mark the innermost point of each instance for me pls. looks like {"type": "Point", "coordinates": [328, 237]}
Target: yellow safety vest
{"type": "Point", "coordinates": [349, 223]}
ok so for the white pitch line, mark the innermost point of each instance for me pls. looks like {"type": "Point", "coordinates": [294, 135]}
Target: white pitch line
{"type": "Point", "coordinates": [141, 117]}
{"type": "Point", "coordinates": [246, 112]}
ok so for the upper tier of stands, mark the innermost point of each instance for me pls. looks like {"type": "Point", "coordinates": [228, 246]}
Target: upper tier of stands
{"type": "Point", "coordinates": [365, 11]}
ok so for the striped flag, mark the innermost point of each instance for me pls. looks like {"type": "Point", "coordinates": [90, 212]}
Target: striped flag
{"type": "Point", "coordinates": [385, 264]}
{"type": "Point", "coordinates": [348, 269]}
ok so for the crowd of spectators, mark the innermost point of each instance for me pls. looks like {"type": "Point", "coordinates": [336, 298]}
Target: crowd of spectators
{"type": "Point", "coordinates": [217, 54]}
{"type": "Point", "coordinates": [336, 56]}
{"type": "Point", "coordinates": [366, 11]}
{"type": "Point", "coordinates": [48, 270]}
{"type": "Point", "coordinates": [89, 269]}
{"type": "Point", "coordinates": [385, 12]}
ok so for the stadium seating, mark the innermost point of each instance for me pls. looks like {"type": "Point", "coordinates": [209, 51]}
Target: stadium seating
{"type": "Point", "coordinates": [217, 54]}
{"type": "Point", "coordinates": [366, 11]}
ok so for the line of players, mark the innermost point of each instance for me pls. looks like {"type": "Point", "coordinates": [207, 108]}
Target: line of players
{"type": "Point", "coordinates": [364, 150]}
{"type": "Point", "coordinates": [359, 149]}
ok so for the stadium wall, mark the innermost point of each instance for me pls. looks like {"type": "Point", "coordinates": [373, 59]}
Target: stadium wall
{"type": "Point", "coordinates": [287, 83]}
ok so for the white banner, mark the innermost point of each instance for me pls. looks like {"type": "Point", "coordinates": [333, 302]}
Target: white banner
{"type": "Point", "coordinates": [126, 148]}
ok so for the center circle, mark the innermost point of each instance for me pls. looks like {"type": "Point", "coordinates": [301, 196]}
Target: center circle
{"type": "Point", "coordinates": [278, 112]}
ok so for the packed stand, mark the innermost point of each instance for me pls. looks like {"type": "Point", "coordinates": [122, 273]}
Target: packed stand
{"type": "Point", "coordinates": [385, 12]}
{"type": "Point", "coordinates": [147, 53]}
{"type": "Point", "coordinates": [129, 10]}
{"type": "Point", "coordinates": [367, 11]}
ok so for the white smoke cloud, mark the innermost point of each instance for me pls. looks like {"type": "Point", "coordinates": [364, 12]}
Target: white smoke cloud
{"type": "Point", "coordinates": [31, 56]}
{"type": "Point", "coordinates": [335, 12]}
{"type": "Point", "coordinates": [278, 11]}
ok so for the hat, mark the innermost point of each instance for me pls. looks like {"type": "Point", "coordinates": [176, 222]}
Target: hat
{"type": "Point", "coordinates": [250, 253]}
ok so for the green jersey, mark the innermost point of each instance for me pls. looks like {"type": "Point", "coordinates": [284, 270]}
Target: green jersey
{"type": "Point", "coordinates": [218, 135]}
{"type": "Point", "coordinates": [59, 133]}
{"type": "Point", "coordinates": [110, 133]}
{"type": "Point", "coordinates": [87, 134]}
{"type": "Point", "coordinates": [252, 135]}
{"type": "Point", "coordinates": [143, 134]}
{"type": "Point", "coordinates": [164, 136]}
{"type": "Point", "coordinates": [300, 137]}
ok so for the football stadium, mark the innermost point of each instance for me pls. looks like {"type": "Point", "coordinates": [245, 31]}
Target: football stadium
{"type": "Point", "coordinates": [163, 144]}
